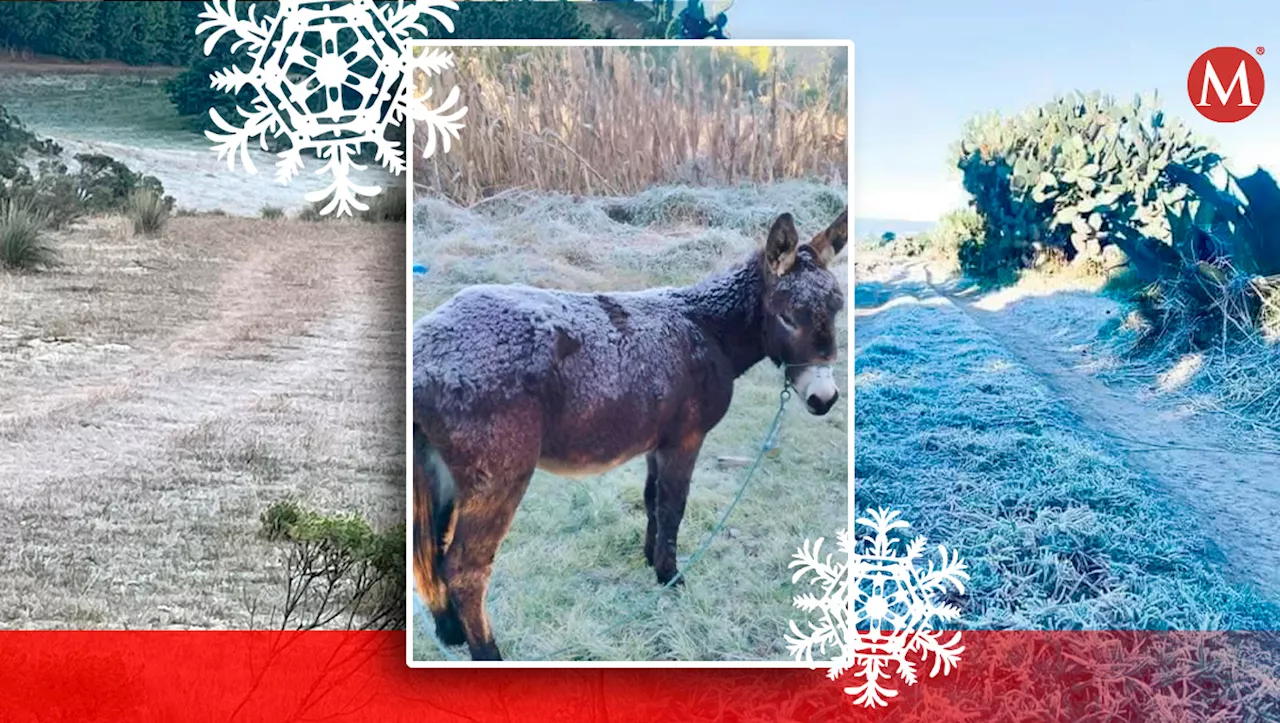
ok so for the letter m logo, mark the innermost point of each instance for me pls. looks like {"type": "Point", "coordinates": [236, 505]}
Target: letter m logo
{"type": "Point", "coordinates": [1230, 101]}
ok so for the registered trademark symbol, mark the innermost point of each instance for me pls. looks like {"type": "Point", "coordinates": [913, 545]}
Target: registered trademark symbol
{"type": "Point", "coordinates": [1261, 50]}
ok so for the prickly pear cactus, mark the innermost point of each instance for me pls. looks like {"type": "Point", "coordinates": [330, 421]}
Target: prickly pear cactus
{"type": "Point", "coordinates": [1075, 176]}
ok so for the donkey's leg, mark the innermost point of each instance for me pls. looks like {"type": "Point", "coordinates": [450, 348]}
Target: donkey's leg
{"type": "Point", "coordinates": [491, 459]}
{"type": "Point", "coordinates": [650, 505]}
{"type": "Point", "coordinates": [675, 467]}
{"type": "Point", "coordinates": [483, 519]}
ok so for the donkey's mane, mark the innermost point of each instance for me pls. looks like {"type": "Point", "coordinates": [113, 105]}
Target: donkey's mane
{"type": "Point", "coordinates": [726, 305]}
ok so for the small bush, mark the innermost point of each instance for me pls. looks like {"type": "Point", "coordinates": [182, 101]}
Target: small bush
{"type": "Point", "coordinates": [33, 172]}
{"type": "Point", "coordinates": [310, 214]}
{"type": "Point", "coordinates": [390, 206]}
{"type": "Point", "coordinates": [339, 570]}
{"type": "Point", "coordinates": [954, 230]}
{"type": "Point", "coordinates": [107, 184]}
{"type": "Point", "coordinates": [279, 519]}
{"type": "Point", "coordinates": [50, 191]}
{"type": "Point", "coordinates": [911, 245]}
{"type": "Point", "coordinates": [23, 244]}
{"type": "Point", "coordinates": [272, 213]}
{"type": "Point", "coordinates": [148, 212]}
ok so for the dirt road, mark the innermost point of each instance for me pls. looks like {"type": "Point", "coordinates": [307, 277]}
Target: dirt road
{"type": "Point", "coordinates": [1079, 502]}
{"type": "Point", "coordinates": [157, 394]}
{"type": "Point", "coordinates": [1227, 474]}
{"type": "Point", "coordinates": [1056, 419]}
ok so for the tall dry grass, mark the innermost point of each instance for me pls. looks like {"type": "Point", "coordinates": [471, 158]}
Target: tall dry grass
{"type": "Point", "coordinates": [618, 120]}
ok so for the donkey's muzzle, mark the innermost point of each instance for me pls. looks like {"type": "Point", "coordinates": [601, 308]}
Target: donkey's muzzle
{"type": "Point", "coordinates": [818, 405]}
{"type": "Point", "coordinates": [817, 386]}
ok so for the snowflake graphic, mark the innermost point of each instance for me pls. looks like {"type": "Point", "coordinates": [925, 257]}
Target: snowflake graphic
{"type": "Point", "coordinates": [877, 608]}
{"type": "Point", "coordinates": [331, 78]}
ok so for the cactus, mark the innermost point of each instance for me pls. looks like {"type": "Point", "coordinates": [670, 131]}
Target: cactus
{"type": "Point", "coordinates": [1244, 225]}
{"type": "Point", "coordinates": [1078, 174]}
{"type": "Point", "coordinates": [1220, 270]}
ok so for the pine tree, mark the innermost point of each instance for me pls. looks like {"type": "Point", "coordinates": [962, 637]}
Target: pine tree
{"type": "Point", "coordinates": [73, 31]}
{"type": "Point", "coordinates": [519, 19]}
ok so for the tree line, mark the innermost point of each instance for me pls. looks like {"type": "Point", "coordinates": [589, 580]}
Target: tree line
{"type": "Point", "coordinates": [133, 31]}
{"type": "Point", "coordinates": [142, 32]}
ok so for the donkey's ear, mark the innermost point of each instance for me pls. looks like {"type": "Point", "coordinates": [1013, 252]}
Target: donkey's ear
{"type": "Point", "coordinates": [829, 243]}
{"type": "Point", "coordinates": [780, 249]}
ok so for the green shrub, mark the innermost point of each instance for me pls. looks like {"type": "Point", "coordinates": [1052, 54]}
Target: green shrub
{"type": "Point", "coordinates": [23, 244]}
{"type": "Point", "coordinates": [279, 519]}
{"type": "Point", "coordinates": [107, 184]}
{"type": "Point", "coordinates": [955, 229]}
{"type": "Point", "coordinates": [51, 191]}
{"type": "Point", "coordinates": [339, 570]}
{"type": "Point", "coordinates": [911, 245]}
{"type": "Point", "coordinates": [272, 213]}
{"type": "Point", "coordinates": [148, 212]}
{"type": "Point", "coordinates": [32, 172]}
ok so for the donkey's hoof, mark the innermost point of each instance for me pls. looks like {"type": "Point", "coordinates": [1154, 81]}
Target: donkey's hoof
{"type": "Point", "coordinates": [673, 578]}
{"type": "Point", "coordinates": [648, 555]}
{"type": "Point", "coordinates": [449, 630]}
{"type": "Point", "coordinates": [485, 651]}
{"type": "Point", "coordinates": [449, 626]}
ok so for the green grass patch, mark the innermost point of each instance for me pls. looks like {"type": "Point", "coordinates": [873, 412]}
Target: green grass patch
{"type": "Point", "coordinates": [148, 211]}
{"type": "Point", "coordinates": [24, 244]}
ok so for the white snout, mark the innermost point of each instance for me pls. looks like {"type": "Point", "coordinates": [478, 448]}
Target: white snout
{"type": "Point", "coordinates": [817, 387]}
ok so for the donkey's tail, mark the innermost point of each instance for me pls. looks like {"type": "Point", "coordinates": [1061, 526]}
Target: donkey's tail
{"type": "Point", "coordinates": [432, 521]}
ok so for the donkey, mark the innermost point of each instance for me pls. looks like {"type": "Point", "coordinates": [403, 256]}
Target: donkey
{"type": "Point", "coordinates": [507, 379]}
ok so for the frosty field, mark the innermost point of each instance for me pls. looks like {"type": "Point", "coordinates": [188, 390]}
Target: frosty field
{"type": "Point", "coordinates": [124, 113]}
{"type": "Point", "coordinates": [1063, 527]}
{"type": "Point", "coordinates": [158, 394]}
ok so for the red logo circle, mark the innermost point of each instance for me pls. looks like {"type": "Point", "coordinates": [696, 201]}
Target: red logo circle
{"type": "Point", "coordinates": [1225, 84]}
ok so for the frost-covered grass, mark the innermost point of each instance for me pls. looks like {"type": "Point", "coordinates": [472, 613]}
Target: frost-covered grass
{"type": "Point", "coordinates": [126, 114]}
{"type": "Point", "coordinates": [664, 236]}
{"type": "Point", "coordinates": [573, 564]}
{"type": "Point", "coordinates": [118, 108]}
{"type": "Point", "coordinates": [979, 453]}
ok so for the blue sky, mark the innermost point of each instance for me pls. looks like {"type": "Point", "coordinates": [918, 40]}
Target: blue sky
{"type": "Point", "coordinates": [923, 67]}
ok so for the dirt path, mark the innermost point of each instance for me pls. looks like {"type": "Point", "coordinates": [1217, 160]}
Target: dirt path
{"type": "Point", "coordinates": [26, 62]}
{"type": "Point", "coordinates": [1229, 476]}
{"type": "Point", "coordinates": [161, 394]}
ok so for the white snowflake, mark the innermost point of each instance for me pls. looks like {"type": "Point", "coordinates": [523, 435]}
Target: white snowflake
{"type": "Point", "coordinates": [331, 78]}
{"type": "Point", "coordinates": [877, 608]}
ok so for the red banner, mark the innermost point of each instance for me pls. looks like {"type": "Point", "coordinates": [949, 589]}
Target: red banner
{"type": "Point", "coordinates": [332, 676]}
